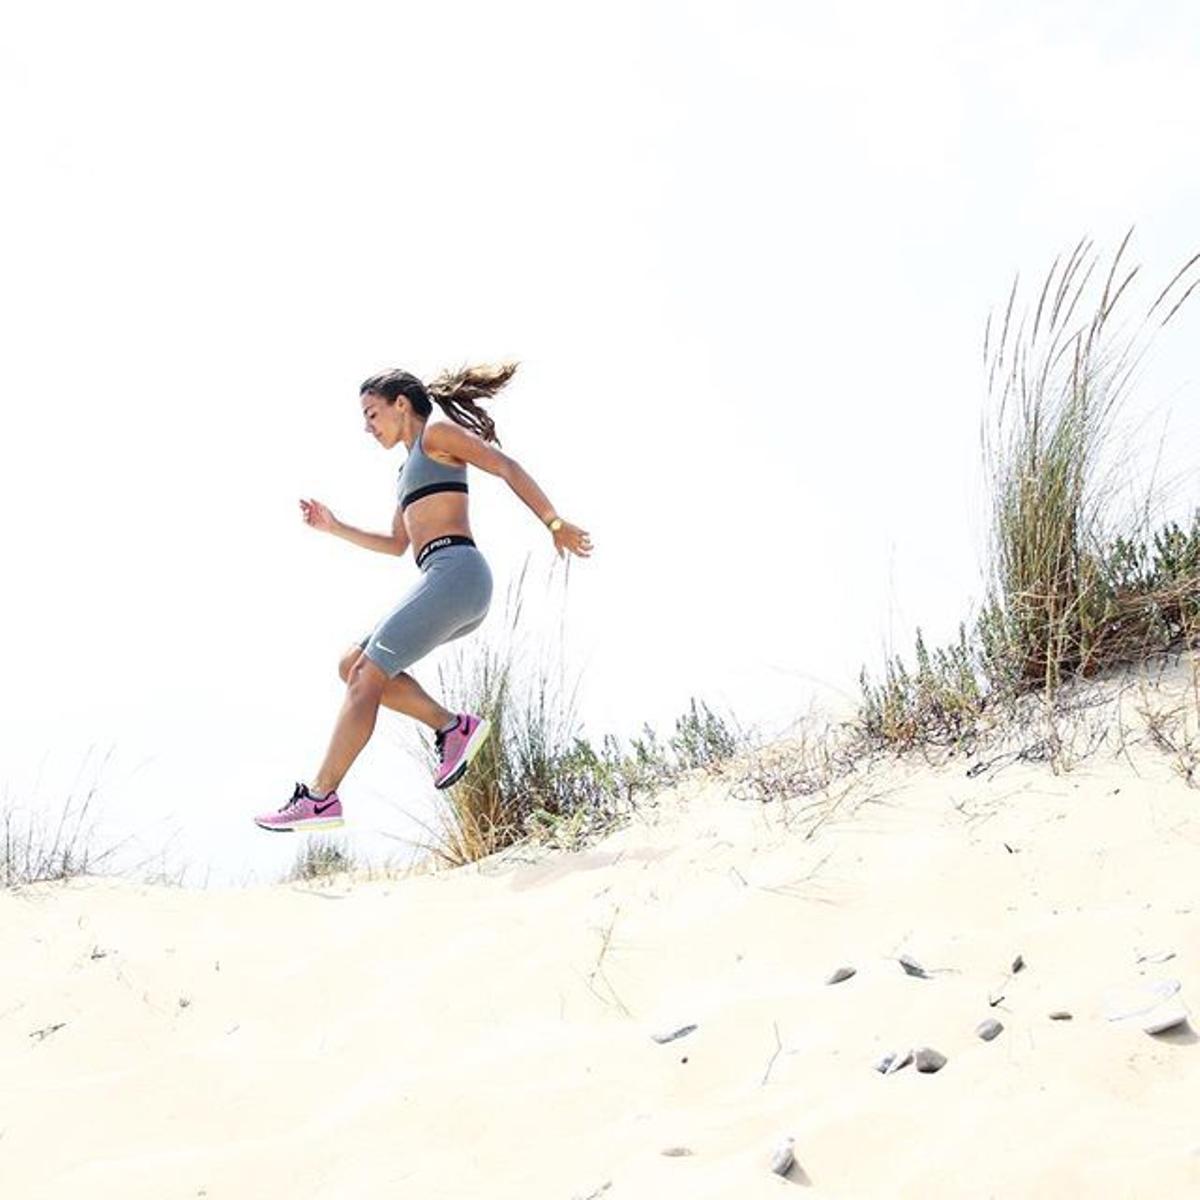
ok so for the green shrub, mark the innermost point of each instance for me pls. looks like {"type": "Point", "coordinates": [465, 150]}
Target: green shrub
{"type": "Point", "coordinates": [1076, 585]}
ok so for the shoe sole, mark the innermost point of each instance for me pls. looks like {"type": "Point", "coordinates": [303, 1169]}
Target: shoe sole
{"type": "Point", "coordinates": [315, 825]}
{"type": "Point", "coordinates": [472, 748]}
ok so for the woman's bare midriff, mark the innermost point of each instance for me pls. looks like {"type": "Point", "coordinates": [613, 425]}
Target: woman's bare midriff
{"type": "Point", "coordinates": [439, 515]}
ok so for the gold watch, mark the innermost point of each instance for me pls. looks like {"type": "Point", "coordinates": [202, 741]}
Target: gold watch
{"type": "Point", "coordinates": [554, 524]}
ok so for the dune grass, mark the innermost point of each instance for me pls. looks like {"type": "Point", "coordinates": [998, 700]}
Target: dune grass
{"type": "Point", "coordinates": [39, 848]}
{"type": "Point", "coordinates": [1078, 581]}
{"type": "Point", "coordinates": [320, 858]}
{"type": "Point", "coordinates": [538, 775]}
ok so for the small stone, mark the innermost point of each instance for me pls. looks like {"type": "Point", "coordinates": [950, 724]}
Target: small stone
{"type": "Point", "coordinates": [988, 1029]}
{"type": "Point", "coordinates": [912, 967]}
{"type": "Point", "coordinates": [1140, 999]}
{"type": "Point", "coordinates": [1061, 1014]}
{"type": "Point", "coordinates": [929, 1061]}
{"type": "Point", "coordinates": [1158, 956]}
{"type": "Point", "coordinates": [784, 1158]}
{"type": "Point", "coordinates": [842, 973]}
{"type": "Point", "coordinates": [1169, 1015]}
{"type": "Point", "coordinates": [682, 1031]}
{"type": "Point", "coordinates": [1018, 964]}
{"type": "Point", "coordinates": [184, 1002]}
{"type": "Point", "coordinates": [892, 1062]}
{"type": "Point", "coordinates": [677, 1152]}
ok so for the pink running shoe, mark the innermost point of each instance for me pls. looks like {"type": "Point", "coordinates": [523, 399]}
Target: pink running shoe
{"type": "Point", "coordinates": [457, 747]}
{"type": "Point", "coordinates": [304, 811]}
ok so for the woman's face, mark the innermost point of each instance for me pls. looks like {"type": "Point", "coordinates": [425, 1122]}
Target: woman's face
{"type": "Point", "coordinates": [384, 421]}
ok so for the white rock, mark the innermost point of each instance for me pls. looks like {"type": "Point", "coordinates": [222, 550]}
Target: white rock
{"type": "Point", "coordinates": [891, 1062]}
{"type": "Point", "coordinates": [1168, 1015]}
{"type": "Point", "coordinates": [1138, 999]}
{"type": "Point", "coordinates": [784, 1157]}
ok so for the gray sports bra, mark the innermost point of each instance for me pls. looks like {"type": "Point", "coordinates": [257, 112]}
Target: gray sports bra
{"type": "Point", "coordinates": [423, 476]}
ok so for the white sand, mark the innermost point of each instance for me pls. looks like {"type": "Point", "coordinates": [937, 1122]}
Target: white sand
{"type": "Point", "coordinates": [486, 1032]}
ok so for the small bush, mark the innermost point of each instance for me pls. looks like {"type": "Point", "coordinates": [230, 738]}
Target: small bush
{"type": "Point", "coordinates": [318, 858]}
{"type": "Point", "coordinates": [538, 775]}
{"type": "Point", "coordinates": [1077, 586]}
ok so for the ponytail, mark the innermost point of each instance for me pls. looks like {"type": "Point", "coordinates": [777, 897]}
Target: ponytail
{"type": "Point", "coordinates": [456, 393]}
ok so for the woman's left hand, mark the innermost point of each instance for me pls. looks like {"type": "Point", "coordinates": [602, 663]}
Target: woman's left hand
{"type": "Point", "coordinates": [571, 537]}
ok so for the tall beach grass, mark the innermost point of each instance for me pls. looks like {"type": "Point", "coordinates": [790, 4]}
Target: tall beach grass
{"type": "Point", "coordinates": [38, 846]}
{"type": "Point", "coordinates": [1079, 580]}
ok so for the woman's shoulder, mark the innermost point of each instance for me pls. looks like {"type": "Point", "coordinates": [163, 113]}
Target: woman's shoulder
{"type": "Point", "coordinates": [437, 441]}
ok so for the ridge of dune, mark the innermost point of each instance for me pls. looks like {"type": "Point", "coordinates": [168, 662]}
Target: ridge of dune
{"type": "Point", "coordinates": [489, 1031]}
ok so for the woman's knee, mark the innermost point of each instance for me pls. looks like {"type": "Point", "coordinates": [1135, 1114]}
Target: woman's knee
{"type": "Point", "coordinates": [366, 679]}
{"type": "Point", "coordinates": [347, 662]}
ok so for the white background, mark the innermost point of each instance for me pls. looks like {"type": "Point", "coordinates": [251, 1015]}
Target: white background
{"type": "Point", "coordinates": [745, 253]}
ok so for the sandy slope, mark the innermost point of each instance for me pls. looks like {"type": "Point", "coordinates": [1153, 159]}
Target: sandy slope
{"type": "Point", "coordinates": [486, 1033]}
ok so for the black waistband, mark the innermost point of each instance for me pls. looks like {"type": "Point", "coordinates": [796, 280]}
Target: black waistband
{"type": "Point", "coordinates": [431, 489]}
{"type": "Point", "coordinates": [451, 539]}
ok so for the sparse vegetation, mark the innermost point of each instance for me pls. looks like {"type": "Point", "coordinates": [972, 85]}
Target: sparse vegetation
{"type": "Point", "coordinates": [40, 849]}
{"type": "Point", "coordinates": [1078, 584]}
{"type": "Point", "coordinates": [538, 775]}
{"type": "Point", "coordinates": [320, 857]}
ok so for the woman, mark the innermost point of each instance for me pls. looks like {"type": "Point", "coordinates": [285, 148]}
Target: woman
{"type": "Point", "coordinates": [452, 596]}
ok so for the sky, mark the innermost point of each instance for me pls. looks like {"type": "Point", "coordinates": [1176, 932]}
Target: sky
{"type": "Point", "coordinates": [744, 252]}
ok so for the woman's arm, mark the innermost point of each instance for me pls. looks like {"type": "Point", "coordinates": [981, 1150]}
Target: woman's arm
{"type": "Point", "coordinates": [319, 517]}
{"type": "Point", "coordinates": [460, 443]}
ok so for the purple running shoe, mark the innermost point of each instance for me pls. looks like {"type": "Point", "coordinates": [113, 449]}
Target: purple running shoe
{"type": "Point", "coordinates": [304, 811]}
{"type": "Point", "coordinates": [456, 747]}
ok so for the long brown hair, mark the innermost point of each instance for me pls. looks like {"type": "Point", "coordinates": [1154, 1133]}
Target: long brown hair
{"type": "Point", "coordinates": [456, 393]}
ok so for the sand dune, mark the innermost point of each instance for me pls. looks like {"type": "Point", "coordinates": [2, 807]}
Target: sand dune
{"type": "Point", "coordinates": [490, 1032]}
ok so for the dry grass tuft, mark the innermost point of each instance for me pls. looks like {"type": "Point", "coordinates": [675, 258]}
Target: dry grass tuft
{"type": "Point", "coordinates": [39, 849]}
{"type": "Point", "coordinates": [1079, 585]}
{"type": "Point", "coordinates": [538, 776]}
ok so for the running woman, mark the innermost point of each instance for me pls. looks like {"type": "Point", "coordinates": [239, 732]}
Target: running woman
{"type": "Point", "coordinates": [451, 597]}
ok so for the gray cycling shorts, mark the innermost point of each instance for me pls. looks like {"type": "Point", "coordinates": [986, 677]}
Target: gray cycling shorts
{"type": "Point", "coordinates": [449, 600]}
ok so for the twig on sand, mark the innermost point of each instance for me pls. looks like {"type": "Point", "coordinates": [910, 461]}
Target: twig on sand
{"type": "Point", "coordinates": [598, 968]}
{"type": "Point", "coordinates": [778, 1049]}
{"type": "Point", "coordinates": [791, 887]}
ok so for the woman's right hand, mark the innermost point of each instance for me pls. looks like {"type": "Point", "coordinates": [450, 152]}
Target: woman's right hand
{"type": "Point", "coordinates": [317, 515]}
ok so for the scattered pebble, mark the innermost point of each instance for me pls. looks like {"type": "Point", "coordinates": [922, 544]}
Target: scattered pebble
{"type": "Point", "coordinates": [988, 1029]}
{"type": "Point", "coordinates": [994, 998]}
{"type": "Point", "coordinates": [1166, 1016]}
{"type": "Point", "coordinates": [184, 1002]}
{"type": "Point", "coordinates": [784, 1158]}
{"type": "Point", "coordinates": [840, 974]}
{"type": "Point", "coordinates": [1141, 998]}
{"type": "Point", "coordinates": [912, 967]}
{"type": "Point", "coordinates": [682, 1031]}
{"type": "Point", "coordinates": [1018, 964]}
{"type": "Point", "coordinates": [43, 1034]}
{"type": "Point", "coordinates": [1061, 1014]}
{"type": "Point", "coordinates": [678, 1152]}
{"type": "Point", "coordinates": [929, 1061]}
{"type": "Point", "coordinates": [890, 1063]}
{"type": "Point", "coordinates": [1158, 956]}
